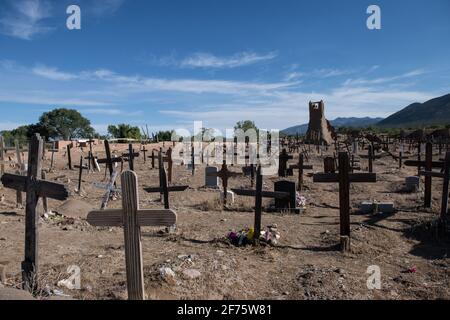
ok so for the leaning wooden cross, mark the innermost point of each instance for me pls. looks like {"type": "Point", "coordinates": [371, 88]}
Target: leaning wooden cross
{"type": "Point", "coordinates": [35, 188]}
{"type": "Point", "coordinates": [131, 218]}
{"type": "Point", "coordinates": [344, 178]}
{"type": "Point", "coordinates": [259, 194]}
{"type": "Point", "coordinates": [445, 175]}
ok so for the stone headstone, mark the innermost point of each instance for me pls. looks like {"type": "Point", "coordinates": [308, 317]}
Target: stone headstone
{"type": "Point", "coordinates": [289, 187]}
{"type": "Point", "coordinates": [211, 181]}
{"type": "Point", "coordinates": [230, 196]}
{"type": "Point", "coordinates": [377, 207]}
{"type": "Point", "coordinates": [412, 183]}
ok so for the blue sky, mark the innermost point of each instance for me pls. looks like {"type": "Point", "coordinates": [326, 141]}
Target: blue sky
{"type": "Point", "coordinates": [166, 63]}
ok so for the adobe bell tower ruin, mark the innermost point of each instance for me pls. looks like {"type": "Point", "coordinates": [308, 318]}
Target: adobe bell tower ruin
{"type": "Point", "coordinates": [320, 130]}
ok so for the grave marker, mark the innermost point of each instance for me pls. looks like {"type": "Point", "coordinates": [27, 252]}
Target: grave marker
{"type": "Point", "coordinates": [34, 188]}
{"type": "Point", "coordinates": [132, 218]}
{"type": "Point", "coordinates": [344, 178]}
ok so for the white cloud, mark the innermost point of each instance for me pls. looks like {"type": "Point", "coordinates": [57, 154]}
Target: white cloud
{"type": "Point", "coordinates": [105, 7]}
{"type": "Point", "coordinates": [207, 60]}
{"type": "Point", "coordinates": [24, 19]}
{"type": "Point", "coordinates": [52, 73]}
{"type": "Point", "coordinates": [376, 81]}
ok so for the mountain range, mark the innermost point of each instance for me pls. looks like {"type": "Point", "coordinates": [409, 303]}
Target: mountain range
{"type": "Point", "coordinates": [433, 112]}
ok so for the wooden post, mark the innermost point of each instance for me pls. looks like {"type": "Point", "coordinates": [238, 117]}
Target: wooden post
{"type": "Point", "coordinates": [44, 199]}
{"type": "Point", "coordinates": [371, 156]}
{"type": "Point", "coordinates": [258, 206]}
{"type": "Point", "coordinates": [445, 189]}
{"type": "Point", "coordinates": [428, 180]}
{"type": "Point", "coordinates": [2, 155]}
{"type": "Point", "coordinates": [69, 156]}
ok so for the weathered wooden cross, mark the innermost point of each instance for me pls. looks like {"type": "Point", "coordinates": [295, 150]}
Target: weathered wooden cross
{"type": "Point", "coordinates": [80, 173]}
{"type": "Point", "coordinates": [259, 194]}
{"type": "Point", "coordinates": [163, 188]}
{"type": "Point", "coordinates": [344, 178]}
{"type": "Point", "coordinates": [429, 165]}
{"type": "Point", "coordinates": [35, 188]}
{"type": "Point", "coordinates": [132, 218]}
{"type": "Point", "coordinates": [109, 187]}
{"type": "Point", "coordinates": [224, 174]}
{"type": "Point", "coordinates": [445, 175]}
{"type": "Point", "coordinates": [301, 166]}
{"type": "Point", "coordinates": [109, 160]}
{"type": "Point", "coordinates": [282, 165]}
{"type": "Point", "coordinates": [130, 156]}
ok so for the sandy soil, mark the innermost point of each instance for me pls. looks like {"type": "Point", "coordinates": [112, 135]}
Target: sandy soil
{"type": "Point", "coordinates": [306, 264]}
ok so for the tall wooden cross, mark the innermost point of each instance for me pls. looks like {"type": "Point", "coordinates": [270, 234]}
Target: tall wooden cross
{"type": "Point", "coordinates": [144, 151]}
{"type": "Point", "coordinates": [429, 165]}
{"type": "Point", "coordinates": [344, 178]}
{"type": "Point", "coordinates": [445, 175]}
{"type": "Point", "coordinates": [2, 155]}
{"type": "Point", "coordinates": [282, 165]}
{"type": "Point", "coordinates": [132, 218]}
{"type": "Point", "coordinates": [34, 188]}
{"type": "Point", "coordinates": [301, 167]}
{"type": "Point", "coordinates": [259, 194]}
{"type": "Point", "coordinates": [163, 188]}
{"type": "Point", "coordinates": [224, 174]}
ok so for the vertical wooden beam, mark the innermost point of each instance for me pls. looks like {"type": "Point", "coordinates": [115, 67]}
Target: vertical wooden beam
{"type": "Point", "coordinates": [2, 155]}
{"type": "Point", "coordinates": [344, 198]}
{"type": "Point", "coordinates": [44, 199]}
{"type": "Point", "coordinates": [80, 174]}
{"type": "Point", "coordinates": [258, 206]}
{"type": "Point", "coordinates": [69, 156]}
{"type": "Point", "coordinates": [30, 264]}
{"type": "Point", "coordinates": [371, 158]}
{"type": "Point", "coordinates": [300, 172]}
{"type": "Point", "coordinates": [428, 167]}
{"type": "Point", "coordinates": [108, 158]}
{"type": "Point", "coordinates": [132, 235]}
{"type": "Point", "coordinates": [445, 189]}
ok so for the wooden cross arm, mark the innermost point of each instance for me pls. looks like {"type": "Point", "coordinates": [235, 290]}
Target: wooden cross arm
{"type": "Point", "coordinates": [170, 189]}
{"type": "Point", "coordinates": [305, 167]}
{"type": "Point", "coordinates": [135, 155]}
{"type": "Point", "coordinates": [432, 174]}
{"type": "Point", "coordinates": [149, 217]}
{"type": "Point", "coordinates": [416, 163]}
{"type": "Point", "coordinates": [101, 161]}
{"type": "Point", "coordinates": [47, 189]}
{"type": "Point", "coordinates": [353, 177]}
{"type": "Point", "coordinates": [264, 194]}
{"type": "Point", "coordinates": [78, 167]}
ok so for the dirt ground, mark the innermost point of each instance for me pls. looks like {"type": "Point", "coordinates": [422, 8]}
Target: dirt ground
{"type": "Point", "coordinates": [306, 263]}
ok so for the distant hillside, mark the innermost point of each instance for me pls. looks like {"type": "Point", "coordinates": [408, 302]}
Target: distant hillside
{"type": "Point", "coordinates": [432, 112]}
{"type": "Point", "coordinates": [338, 122]}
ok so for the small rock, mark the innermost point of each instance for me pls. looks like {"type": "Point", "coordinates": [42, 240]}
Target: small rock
{"type": "Point", "coordinates": [100, 256]}
{"type": "Point", "coordinates": [167, 274]}
{"type": "Point", "coordinates": [2, 239]}
{"type": "Point", "coordinates": [191, 273]}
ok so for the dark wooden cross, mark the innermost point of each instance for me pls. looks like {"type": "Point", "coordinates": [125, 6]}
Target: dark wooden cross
{"type": "Point", "coordinates": [344, 178]}
{"type": "Point", "coordinates": [259, 194]}
{"type": "Point", "coordinates": [429, 165]}
{"type": "Point", "coordinates": [80, 173]}
{"type": "Point", "coordinates": [132, 218]}
{"type": "Point", "coordinates": [224, 174]}
{"type": "Point", "coordinates": [130, 156]}
{"type": "Point", "coordinates": [34, 188]}
{"type": "Point", "coordinates": [301, 167]}
{"type": "Point", "coordinates": [109, 160]}
{"type": "Point", "coordinates": [144, 151]}
{"type": "Point", "coordinates": [283, 160]}
{"type": "Point", "coordinates": [153, 157]}
{"type": "Point", "coordinates": [445, 175]}
{"type": "Point", "coordinates": [163, 188]}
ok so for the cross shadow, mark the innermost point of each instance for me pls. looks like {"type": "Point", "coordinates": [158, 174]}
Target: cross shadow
{"type": "Point", "coordinates": [8, 214]}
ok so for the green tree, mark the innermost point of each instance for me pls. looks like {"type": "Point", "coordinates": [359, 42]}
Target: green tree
{"type": "Point", "coordinates": [124, 131]}
{"type": "Point", "coordinates": [65, 123]}
{"type": "Point", "coordinates": [246, 125]}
